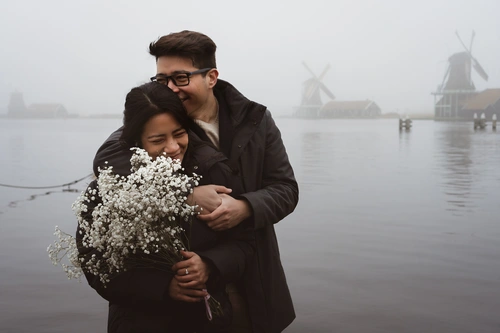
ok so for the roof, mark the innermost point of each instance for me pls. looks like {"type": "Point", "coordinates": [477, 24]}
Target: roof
{"type": "Point", "coordinates": [45, 107]}
{"type": "Point", "coordinates": [349, 105]}
{"type": "Point", "coordinates": [482, 100]}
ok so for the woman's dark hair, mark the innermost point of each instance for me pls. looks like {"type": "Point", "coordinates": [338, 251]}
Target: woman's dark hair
{"type": "Point", "coordinates": [146, 101]}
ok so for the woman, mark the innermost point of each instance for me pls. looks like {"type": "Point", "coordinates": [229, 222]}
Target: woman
{"type": "Point", "coordinates": [152, 300]}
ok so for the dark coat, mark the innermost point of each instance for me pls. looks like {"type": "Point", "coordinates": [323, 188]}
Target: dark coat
{"type": "Point", "coordinates": [139, 300]}
{"type": "Point", "coordinates": [252, 141]}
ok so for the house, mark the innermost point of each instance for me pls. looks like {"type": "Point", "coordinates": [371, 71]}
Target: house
{"type": "Point", "coordinates": [487, 102]}
{"type": "Point", "coordinates": [46, 110]}
{"type": "Point", "coordinates": [18, 109]}
{"type": "Point", "coordinates": [350, 109]}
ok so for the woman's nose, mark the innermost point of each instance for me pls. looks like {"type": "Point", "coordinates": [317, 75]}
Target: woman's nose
{"type": "Point", "coordinates": [171, 147]}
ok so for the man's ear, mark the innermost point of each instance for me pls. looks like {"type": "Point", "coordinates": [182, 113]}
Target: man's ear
{"type": "Point", "coordinates": [212, 75]}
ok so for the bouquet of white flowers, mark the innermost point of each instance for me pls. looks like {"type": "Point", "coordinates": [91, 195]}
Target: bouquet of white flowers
{"type": "Point", "coordinates": [136, 220]}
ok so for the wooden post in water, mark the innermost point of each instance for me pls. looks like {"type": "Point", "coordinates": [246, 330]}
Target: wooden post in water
{"type": "Point", "coordinates": [479, 123]}
{"type": "Point", "coordinates": [482, 121]}
{"type": "Point", "coordinates": [494, 122]}
{"type": "Point", "coordinates": [406, 123]}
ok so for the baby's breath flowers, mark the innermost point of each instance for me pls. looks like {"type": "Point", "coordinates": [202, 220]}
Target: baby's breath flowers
{"type": "Point", "coordinates": [125, 222]}
{"type": "Point", "coordinates": [121, 217]}
{"type": "Point", "coordinates": [136, 215]}
{"type": "Point", "coordinates": [65, 246]}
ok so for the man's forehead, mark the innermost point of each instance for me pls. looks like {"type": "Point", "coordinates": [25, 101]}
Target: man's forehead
{"type": "Point", "coordinates": [174, 64]}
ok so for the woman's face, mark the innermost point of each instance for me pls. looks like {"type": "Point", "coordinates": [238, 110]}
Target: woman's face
{"type": "Point", "coordinates": [162, 133]}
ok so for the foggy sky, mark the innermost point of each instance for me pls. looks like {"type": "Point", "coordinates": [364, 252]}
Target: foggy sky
{"type": "Point", "coordinates": [88, 54]}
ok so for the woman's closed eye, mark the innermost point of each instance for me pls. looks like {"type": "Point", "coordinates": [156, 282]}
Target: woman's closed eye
{"type": "Point", "coordinates": [180, 134]}
{"type": "Point", "coordinates": [157, 142]}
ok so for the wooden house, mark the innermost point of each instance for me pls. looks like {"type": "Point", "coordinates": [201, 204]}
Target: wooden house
{"type": "Point", "coordinates": [487, 102]}
{"type": "Point", "coordinates": [350, 109]}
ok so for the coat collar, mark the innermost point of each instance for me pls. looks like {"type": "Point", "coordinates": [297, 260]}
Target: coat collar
{"type": "Point", "coordinates": [239, 107]}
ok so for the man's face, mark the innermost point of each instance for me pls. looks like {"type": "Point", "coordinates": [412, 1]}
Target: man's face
{"type": "Point", "coordinates": [196, 94]}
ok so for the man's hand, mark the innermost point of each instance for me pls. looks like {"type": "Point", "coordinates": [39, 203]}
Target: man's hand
{"type": "Point", "coordinates": [207, 197]}
{"type": "Point", "coordinates": [198, 271]}
{"type": "Point", "coordinates": [228, 215]}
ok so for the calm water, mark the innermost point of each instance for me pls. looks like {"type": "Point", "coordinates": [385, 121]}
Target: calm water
{"type": "Point", "coordinates": [394, 232]}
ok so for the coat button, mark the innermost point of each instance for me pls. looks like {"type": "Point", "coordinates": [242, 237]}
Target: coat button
{"type": "Point", "coordinates": [195, 167]}
{"type": "Point", "coordinates": [239, 146]}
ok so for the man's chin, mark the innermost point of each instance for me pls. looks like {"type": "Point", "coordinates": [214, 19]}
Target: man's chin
{"type": "Point", "coordinates": [189, 111]}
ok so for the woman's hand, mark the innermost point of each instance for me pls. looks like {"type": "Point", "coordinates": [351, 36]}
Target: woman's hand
{"type": "Point", "coordinates": [207, 197]}
{"type": "Point", "coordinates": [192, 272]}
{"type": "Point", "coordinates": [179, 293]}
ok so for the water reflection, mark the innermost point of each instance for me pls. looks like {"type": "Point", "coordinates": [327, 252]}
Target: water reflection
{"type": "Point", "coordinates": [454, 156]}
{"type": "Point", "coordinates": [404, 137]}
{"type": "Point", "coordinates": [316, 153]}
{"type": "Point", "coordinates": [13, 204]}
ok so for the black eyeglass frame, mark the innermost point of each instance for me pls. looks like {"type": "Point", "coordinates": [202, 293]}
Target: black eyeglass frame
{"type": "Point", "coordinates": [171, 77]}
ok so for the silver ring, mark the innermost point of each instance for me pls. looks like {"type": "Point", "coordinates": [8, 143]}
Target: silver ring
{"type": "Point", "coordinates": [186, 272]}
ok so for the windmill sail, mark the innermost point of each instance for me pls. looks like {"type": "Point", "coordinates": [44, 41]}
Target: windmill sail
{"type": "Point", "coordinates": [479, 69]}
{"type": "Point", "coordinates": [311, 93]}
{"type": "Point", "coordinates": [327, 91]}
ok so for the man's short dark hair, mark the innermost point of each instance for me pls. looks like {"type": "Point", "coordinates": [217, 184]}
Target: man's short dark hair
{"type": "Point", "coordinates": [186, 44]}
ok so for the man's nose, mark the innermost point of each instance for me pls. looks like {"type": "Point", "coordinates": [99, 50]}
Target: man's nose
{"type": "Point", "coordinates": [172, 86]}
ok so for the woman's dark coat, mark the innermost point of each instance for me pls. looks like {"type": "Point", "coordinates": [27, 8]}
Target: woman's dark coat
{"type": "Point", "coordinates": [139, 300]}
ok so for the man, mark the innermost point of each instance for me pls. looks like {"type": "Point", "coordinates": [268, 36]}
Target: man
{"type": "Point", "coordinates": [247, 134]}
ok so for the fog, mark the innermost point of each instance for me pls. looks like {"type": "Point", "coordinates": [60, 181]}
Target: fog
{"type": "Point", "coordinates": [88, 54]}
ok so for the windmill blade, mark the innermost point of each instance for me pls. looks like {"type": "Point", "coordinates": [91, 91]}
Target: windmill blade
{"type": "Point", "coordinates": [324, 72]}
{"type": "Point", "coordinates": [327, 91]}
{"type": "Point", "coordinates": [312, 86]}
{"type": "Point", "coordinates": [479, 69]}
{"type": "Point", "coordinates": [460, 39]}
{"type": "Point", "coordinates": [307, 67]}
{"type": "Point", "coordinates": [445, 76]}
{"type": "Point", "coordinates": [471, 40]}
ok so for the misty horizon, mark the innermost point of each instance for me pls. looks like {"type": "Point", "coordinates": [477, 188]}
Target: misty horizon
{"type": "Point", "coordinates": [88, 57]}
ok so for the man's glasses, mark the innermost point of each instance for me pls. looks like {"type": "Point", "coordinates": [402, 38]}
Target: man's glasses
{"type": "Point", "coordinates": [179, 79]}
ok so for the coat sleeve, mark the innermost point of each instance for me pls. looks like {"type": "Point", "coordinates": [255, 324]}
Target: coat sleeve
{"type": "Point", "coordinates": [278, 193]}
{"type": "Point", "coordinates": [113, 152]}
{"type": "Point", "coordinates": [134, 286]}
{"type": "Point", "coordinates": [235, 246]}
{"type": "Point", "coordinates": [230, 255]}
{"type": "Point", "coordinates": [139, 285]}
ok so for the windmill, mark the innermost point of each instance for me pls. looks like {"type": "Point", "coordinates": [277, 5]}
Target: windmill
{"type": "Point", "coordinates": [16, 107]}
{"type": "Point", "coordinates": [457, 86]}
{"type": "Point", "coordinates": [311, 88]}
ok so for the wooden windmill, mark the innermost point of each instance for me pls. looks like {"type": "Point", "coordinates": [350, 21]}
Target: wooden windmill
{"type": "Point", "coordinates": [16, 107]}
{"type": "Point", "coordinates": [457, 86]}
{"type": "Point", "coordinates": [311, 97]}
